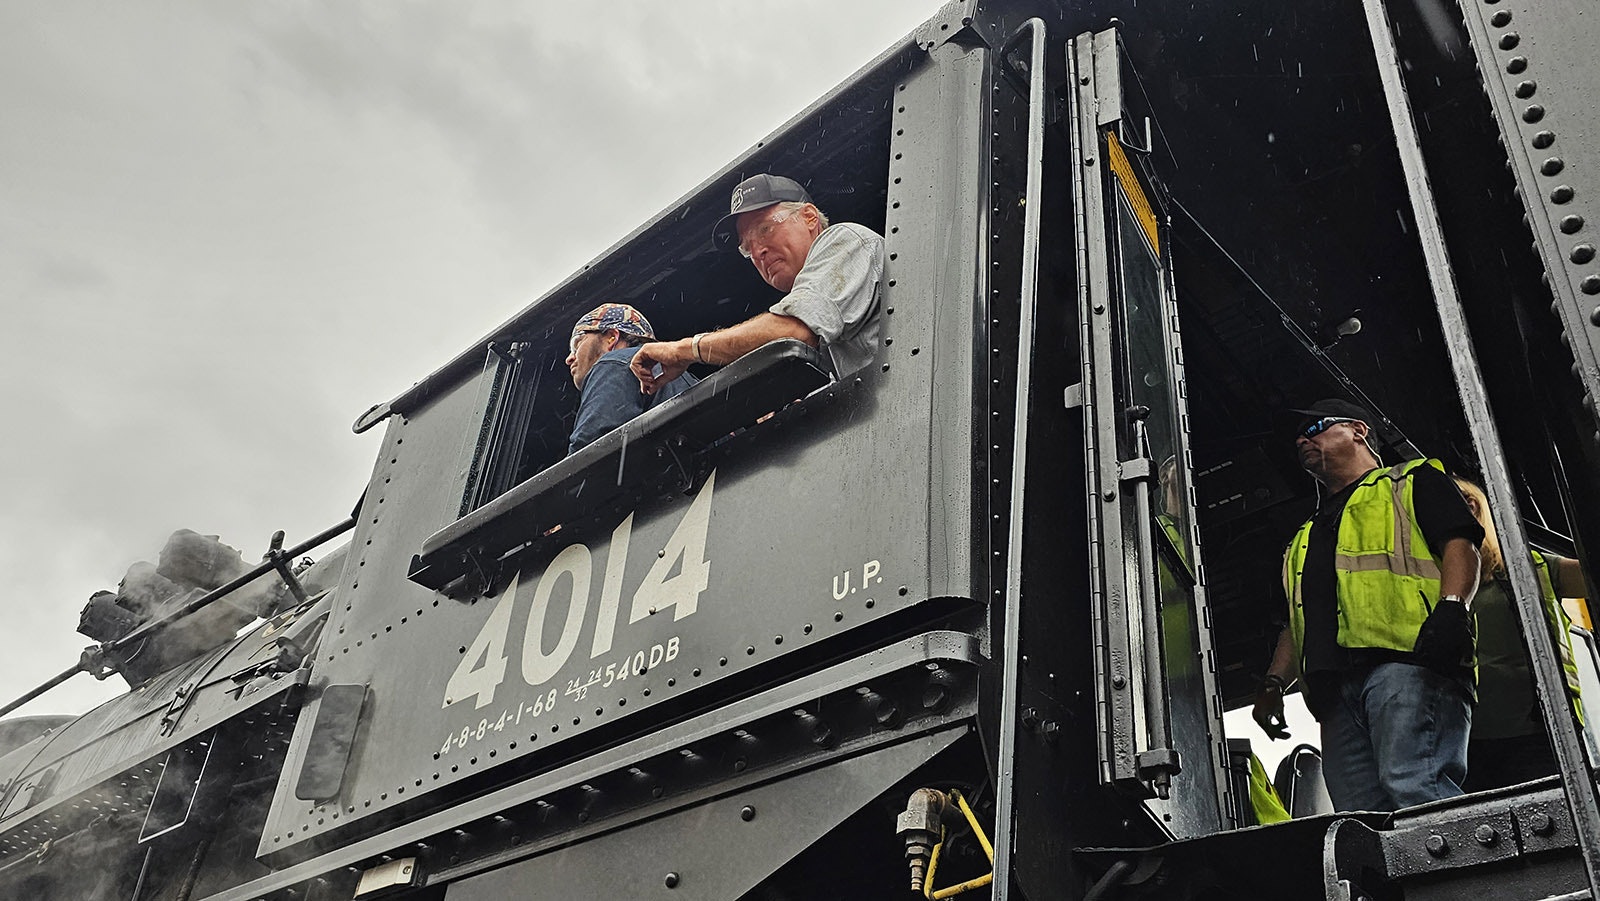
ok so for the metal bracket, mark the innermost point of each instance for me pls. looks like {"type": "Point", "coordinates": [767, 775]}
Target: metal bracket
{"type": "Point", "coordinates": [396, 874]}
{"type": "Point", "coordinates": [955, 19]}
{"type": "Point", "coordinates": [182, 697]}
{"type": "Point", "coordinates": [478, 579]}
{"type": "Point", "coordinates": [1452, 845]}
{"type": "Point", "coordinates": [1139, 469]}
{"type": "Point", "coordinates": [280, 562]}
{"type": "Point", "coordinates": [1350, 849]}
{"type": "Point", "coordinates": [1156, 767]}
{"type": "Point", "coordinates": [96, 663]}
{"type": "Point", "coordinates": [1459, 836]}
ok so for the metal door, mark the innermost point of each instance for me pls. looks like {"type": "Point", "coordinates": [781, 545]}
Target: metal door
{"type": "Point", "coordinates": [1159, 717]}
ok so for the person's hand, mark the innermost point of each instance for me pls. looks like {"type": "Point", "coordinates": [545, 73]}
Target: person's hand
{"type": "Point", "coordinates": [1445, 639]}
{"type": "Point", "coordinates": [673, 358]}
{"type": "Point", "coordinates": [1268, 711]}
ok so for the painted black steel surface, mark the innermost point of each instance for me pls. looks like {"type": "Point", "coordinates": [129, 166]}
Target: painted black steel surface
{"type": "Point", "coordinates": [644, 658]}
{"type": "Point", "coordinates": [796, 535]}
{"type": "Point", "coordinates": [686, 854]}
{"type": "Point", "coordinates": [666, 769]}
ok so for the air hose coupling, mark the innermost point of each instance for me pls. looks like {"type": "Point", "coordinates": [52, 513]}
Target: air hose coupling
{"type": "Point", "coordinates": [920, 826]}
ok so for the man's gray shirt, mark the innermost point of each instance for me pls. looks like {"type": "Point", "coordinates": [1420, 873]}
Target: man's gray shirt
{"type": "Point", "coordinates": [836, 294]}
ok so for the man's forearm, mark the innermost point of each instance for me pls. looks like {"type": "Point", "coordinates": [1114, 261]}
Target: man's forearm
{"type": "Point", "coordinates": [659, 362]}
{"type": "Point", "coordinates": [729, 344]}
{"type": "Point", "coordinates": [1283, 665]}
{"type": "Point", "coordinates": [1458, 570]}
{"type": "Point", "coordinates": [1570, 574]}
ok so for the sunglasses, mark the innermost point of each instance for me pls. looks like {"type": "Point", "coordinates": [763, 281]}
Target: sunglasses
{"type": "Point", "coordinates": [1316, 428]}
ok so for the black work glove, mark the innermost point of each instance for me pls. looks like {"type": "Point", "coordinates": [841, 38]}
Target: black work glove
{"type": "Point", "coordinates": [1445, 640]}
{"type": "Point", "coordinates": [1268, 712]}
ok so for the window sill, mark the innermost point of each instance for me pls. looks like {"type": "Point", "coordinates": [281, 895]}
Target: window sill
{"type": "Point", "coordinates": [463, 559]}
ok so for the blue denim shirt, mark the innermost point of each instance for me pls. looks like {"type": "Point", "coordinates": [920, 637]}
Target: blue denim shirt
{"type": "Point", "coordinates": [611, 397]}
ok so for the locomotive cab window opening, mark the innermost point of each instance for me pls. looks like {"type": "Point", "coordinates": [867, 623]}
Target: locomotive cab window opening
{"type": "Point", "coordinates": [671, 273]}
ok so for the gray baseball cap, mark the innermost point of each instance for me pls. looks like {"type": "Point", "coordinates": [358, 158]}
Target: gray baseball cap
{"type": "Point", "coordinates": [754, 193]}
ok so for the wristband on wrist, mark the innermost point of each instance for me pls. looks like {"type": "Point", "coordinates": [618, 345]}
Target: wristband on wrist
{"type": "Point", "coordinates": [696, 345]}
{"type": "Point", "coordinates": [1273, 680]}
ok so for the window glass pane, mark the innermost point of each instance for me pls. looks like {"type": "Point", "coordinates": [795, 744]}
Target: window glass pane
{"type": "Point", "coordinates": [1149, 376]}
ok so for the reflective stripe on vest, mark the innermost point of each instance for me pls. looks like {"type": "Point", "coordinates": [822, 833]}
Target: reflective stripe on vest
{"type": "Point", "coordinates": [1386, 579]}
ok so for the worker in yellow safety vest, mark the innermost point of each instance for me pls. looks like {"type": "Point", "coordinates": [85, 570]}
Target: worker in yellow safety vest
{"type": "Point", "coordinates": [1379, 585]}
{"type": "Point", "coordinates": [1508, 743]}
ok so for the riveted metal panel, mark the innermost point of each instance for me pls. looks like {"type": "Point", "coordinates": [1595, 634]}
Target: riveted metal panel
{"type": "Point", "coordinates": [799, 532]}
{"type": "Point", "coordinates": [571, 644]}
{"type": "Point", "coordinates": [726, 749]}
{"type": "Point", "coordinates": [717, 850]}
{"type": "Point", "coordinates": [935, 223]}
{"type": "Point", "coordinates": [1537, 61]}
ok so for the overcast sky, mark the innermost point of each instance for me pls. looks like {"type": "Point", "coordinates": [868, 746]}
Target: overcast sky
{"type": "Point", "coordinates": [226, 229]}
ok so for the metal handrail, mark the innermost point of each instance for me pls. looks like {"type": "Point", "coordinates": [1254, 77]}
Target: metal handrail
{"type": "Point", "coordinates": [90, 660]}
{"type": "Point", "coordinates": [1011, 642]}
{"type": "Point", "coordinates": [1576, 778]}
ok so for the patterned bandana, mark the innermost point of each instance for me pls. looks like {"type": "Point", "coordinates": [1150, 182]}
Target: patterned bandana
{"type": "Point", "coordinates": [619, 316]}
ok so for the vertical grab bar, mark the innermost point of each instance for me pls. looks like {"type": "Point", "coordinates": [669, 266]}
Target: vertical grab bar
{"type": "Point", "coordinates": [1575, 776]}
{"type": "Point", "coordinates": [1011, 648]}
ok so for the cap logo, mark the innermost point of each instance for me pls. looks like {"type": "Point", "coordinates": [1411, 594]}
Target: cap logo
{"type": "Point", "coordinates": [738, 197]}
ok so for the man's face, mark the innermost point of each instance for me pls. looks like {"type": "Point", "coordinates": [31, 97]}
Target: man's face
{"type": "Point", "coordinates": [778, 241]}
{"type": "Point", "coordinates": [1331, 444]}
{"type": "Point", "coordinates": [586, 349]}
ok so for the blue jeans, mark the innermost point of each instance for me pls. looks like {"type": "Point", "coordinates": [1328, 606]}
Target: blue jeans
{"type": "Point", "coordinates": [1395, 735]}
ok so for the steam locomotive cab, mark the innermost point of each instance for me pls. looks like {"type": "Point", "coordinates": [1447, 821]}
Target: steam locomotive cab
{"type": "Point", "coordinates": [1015, 569]}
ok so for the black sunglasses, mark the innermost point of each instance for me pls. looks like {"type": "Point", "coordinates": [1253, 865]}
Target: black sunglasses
{"type": "Point", "coordinates": [1316, 428]}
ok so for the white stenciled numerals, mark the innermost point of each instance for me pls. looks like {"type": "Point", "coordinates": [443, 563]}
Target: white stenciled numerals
{"type": "Point", "coordinates": [472, 679]}
{"type": "Point", "coordinates": [686, 553]}
{"type": "Point", "coordinates": [537, 666]}
{"type": "Point", "coordinates": [611, 589]}
{"type": "Point", "coordinates": [557, 610]}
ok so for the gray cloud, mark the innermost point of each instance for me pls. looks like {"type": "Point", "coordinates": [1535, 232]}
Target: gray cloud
{"type": "Point", "coordinates": [69, 272]}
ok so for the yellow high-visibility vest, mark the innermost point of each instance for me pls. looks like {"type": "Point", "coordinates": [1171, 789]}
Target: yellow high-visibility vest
{"type": "Point", "coordinates": [1387, 581]}
{"type": "Point", "coordinates": [1556, 617]}
{"type": "Point", "coordinates": [1264, 798]}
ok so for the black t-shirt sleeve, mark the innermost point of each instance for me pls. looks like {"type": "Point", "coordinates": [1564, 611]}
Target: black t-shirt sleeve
{"type": "Point", "coordinates": [1442, 513]}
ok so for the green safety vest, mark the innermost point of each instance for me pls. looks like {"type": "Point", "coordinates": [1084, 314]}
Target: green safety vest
{"type": "Point", "coordinates": [1387, 581]}
{"type": "Point", "coordinates": [1556, 617]}
{"type": "Point", "coordinates": [1264, 800]}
